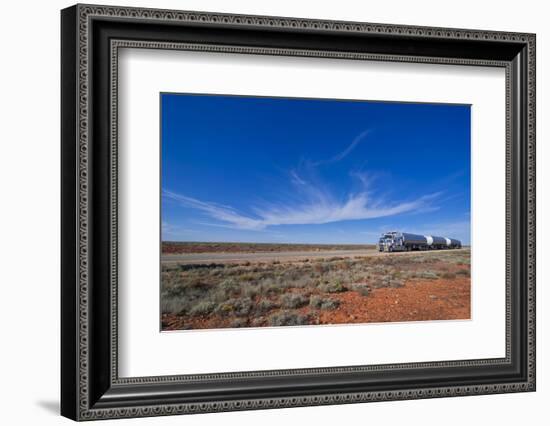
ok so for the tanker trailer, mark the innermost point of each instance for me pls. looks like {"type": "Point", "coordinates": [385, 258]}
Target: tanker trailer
{"type": "Point", "coordinates": [414, 241]}
{"type": "Point", "coordinates": [439, 243]}
{"type": "Point", "coordinates": [455, 244]}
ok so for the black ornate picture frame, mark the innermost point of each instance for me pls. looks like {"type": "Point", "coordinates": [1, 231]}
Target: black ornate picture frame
{"type": "Point", "coordinates": [90, 38]}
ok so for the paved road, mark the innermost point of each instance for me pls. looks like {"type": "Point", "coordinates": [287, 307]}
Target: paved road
{"type": "Point", "coordinates": [283, 256]}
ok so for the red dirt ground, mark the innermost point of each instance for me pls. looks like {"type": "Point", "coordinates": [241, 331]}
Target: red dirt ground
{"type": "Point", "coordinates": [417, 300]}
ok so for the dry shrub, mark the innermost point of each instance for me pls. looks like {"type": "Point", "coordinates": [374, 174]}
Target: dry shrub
{"type": "Point", "coordinates": [427, 275]}
{"type": "Point", "coordinates": [396, 283]}
{"type": "Point", "coordinates": [239, 322]}
{"type": "Point", "coordinates": [319, 302]}
{"type": "Point", "coordinates": [269, 287]}
{"type": "Point", "coordinates": [178, 306]}
{"type": "Point", "coordinates": [362, 289]}
{"type": "Point", "coordinates": [288, 318]}
{"type": "Point", "coordinates": [332, 287]}
{"type": "Point", "coordinates": [202, 308]}
{"type": "Point", "coordinates": [238, 307]}
{"type": "Point", "coordinates": [293, 300]}
{"type": "Point", "coordinates": [266, 305]}
{"type": "Point", "coordinates": [230, 287]}
{"type": "Point", "coordinates": [448, 275]}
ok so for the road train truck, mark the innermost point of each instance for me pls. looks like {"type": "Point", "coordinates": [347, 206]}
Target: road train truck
{"type": "Point", "coordinates": [403, 241]}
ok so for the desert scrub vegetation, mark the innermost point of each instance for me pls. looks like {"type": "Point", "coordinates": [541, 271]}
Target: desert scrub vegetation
{"type": "Point", "coordinates": [362, 289]}
{"type": "Point", "coordinates": [294, 300]}
{"type": "Point", "coordinates": [238, 307]}
{"type": "Point", "coordinates": [238, 323]}
{"type": "Point", "coordinates": [387, 282]}
{"type": "Point", "coordinates": [290, 293]}
{"type": "Point", "coordinates": [266, 305]}
{"type": "Point", "coordinates": [319, 302]}
{"type": "Point", "coordinates": [332, 287]}
{"type": "Point", "coordinates": [287, 317]}
{"type": "Point", "coordinates": [202, 308]}
{"type": "Point", "coordinates": [428, 275]}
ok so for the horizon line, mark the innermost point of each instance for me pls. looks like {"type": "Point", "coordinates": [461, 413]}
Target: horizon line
{"type": "Point", "coordinates": [255, 242]}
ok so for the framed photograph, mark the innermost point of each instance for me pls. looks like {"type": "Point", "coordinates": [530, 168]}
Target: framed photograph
{"type": "Point", "coordinates": [263, 212]}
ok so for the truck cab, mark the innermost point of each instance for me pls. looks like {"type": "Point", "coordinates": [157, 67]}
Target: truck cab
{"type": "Point", "coordinates": [391, 241]}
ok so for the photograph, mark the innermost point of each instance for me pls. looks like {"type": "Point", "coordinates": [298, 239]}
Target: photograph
{"type": "Point", "coordinates": [265, 209]}
{"type": "Point", "coordinates": [281, 211]}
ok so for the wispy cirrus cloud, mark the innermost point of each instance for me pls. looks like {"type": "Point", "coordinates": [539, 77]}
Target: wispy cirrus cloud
{"type": "Point", "coordinates": [343, 154]}
{"type": "Point", "coordinates": [310, 202]}
{"type": "Point", "coordinates": [174, 229]}
{"type": "Point", "coordinates": [315, 205]}
{"type": "Point", "coordinates": [224, 214]}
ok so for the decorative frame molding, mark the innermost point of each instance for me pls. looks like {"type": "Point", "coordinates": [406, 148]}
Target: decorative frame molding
{"type": "Point", "coordinates": [91, 37]}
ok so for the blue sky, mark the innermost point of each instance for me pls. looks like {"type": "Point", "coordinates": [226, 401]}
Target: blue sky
{"type": "Point", "coordinates": [285, 170]}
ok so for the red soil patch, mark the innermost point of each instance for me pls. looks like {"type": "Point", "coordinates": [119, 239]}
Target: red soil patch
{"type": "Point", "coordinates": [418, 300]}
